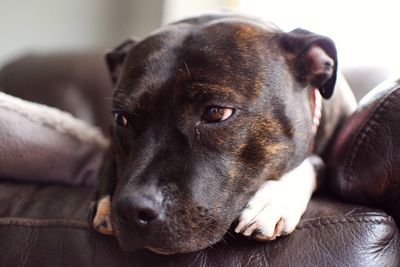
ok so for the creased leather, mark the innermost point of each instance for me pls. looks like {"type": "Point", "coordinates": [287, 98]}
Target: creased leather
{"type": "Point", "coordinates": [365, 163]}
{"type": "Point", "coordinates": [53, 232]}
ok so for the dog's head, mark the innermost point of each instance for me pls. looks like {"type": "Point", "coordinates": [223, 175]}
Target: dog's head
{"type": "Point", "coordinates": [206, 110]}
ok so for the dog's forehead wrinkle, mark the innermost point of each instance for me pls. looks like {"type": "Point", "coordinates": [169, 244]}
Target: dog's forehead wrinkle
{"type": "Point", "coordinates": [227, 60]}
{"type": "Point", "coordinates": [213, 92]}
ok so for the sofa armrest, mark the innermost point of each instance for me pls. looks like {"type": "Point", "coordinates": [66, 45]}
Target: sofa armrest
{"type": "Point", "coordinates": [365, 161]}
{"type": "Point", "coordinates": [43, 144]}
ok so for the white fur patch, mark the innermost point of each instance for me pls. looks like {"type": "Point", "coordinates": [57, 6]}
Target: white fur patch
{"type": "Point", "coordinates": [102, 221]}
{"type": "Point", "coordinates": [277, 206]}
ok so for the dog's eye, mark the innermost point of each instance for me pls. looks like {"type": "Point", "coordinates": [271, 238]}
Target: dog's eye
{"type": "Point", "coordinates": [217, 114]}
{"type": "Point", "coordinates": [120, 119]}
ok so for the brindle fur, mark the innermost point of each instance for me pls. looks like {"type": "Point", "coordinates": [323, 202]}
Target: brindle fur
{"type": "Point", "coordinates": [206, 173]}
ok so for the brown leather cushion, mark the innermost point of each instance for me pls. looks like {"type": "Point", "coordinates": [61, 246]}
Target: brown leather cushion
{"type": "Point", "coordinates": [365, 163]}
{"type": "Point", "coordinates": [42, 225]}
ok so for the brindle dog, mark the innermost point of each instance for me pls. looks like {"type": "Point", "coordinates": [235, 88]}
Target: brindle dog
{"type": "Point", "coordinates": [216, 120]}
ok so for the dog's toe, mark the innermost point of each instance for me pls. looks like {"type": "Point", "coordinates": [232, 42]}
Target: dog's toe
{"type": "Point", "coordinates": [273, 221]}
{"type": "Point", "coordinates": [270, 213]}
{"type": "Point", "coordinates": [268, 220]}
{"type": "Point", "coordinates": [249, 218]}
{"type": "Point", "coordinates": [102, 221]}
{"type": "Point", "coordinates": [291, 221]}
{"type": "Point", "coordinates": [263, 236]}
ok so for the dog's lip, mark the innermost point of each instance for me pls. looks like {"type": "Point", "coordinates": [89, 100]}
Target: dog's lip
{"type": "Point", "coordinates": [159, 250]}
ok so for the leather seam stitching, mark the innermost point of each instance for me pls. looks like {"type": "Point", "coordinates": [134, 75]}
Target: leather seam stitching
{"type": "Point", "coordinates": [6, 222]}
{"type": "Point", "coordinates": [316, 224]}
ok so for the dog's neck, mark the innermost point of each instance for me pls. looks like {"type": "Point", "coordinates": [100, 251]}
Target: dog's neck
{"type": "Point", "coordinates": [316, 102]}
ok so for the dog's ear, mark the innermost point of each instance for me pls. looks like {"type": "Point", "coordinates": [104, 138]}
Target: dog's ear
{"type": "Point", "coordinates": [116, 57]}
{"type": "Point", "coordinates": [313, 58]}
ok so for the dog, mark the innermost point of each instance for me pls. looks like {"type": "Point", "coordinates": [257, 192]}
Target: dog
{"type": "Point", "coordinates": [219, 122]}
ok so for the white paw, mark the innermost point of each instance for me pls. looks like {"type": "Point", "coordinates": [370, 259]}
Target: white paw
{"type": "Point", "coordinates": [277, 206]}
{"type": "Point", "coordinates": [102, 221]}
{"type": "Point", "coordinates": [269, 213]}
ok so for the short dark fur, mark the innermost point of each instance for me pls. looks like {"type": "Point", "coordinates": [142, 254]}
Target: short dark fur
{"type": "Point", "coordinates": [205, 173]}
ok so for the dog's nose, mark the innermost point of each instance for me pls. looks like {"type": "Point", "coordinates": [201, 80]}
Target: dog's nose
{"type": "Point", "coordinates": [139, 210]}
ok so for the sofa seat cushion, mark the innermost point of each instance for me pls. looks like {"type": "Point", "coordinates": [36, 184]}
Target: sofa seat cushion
{"type": "Point", "coordinates": [46, 225]}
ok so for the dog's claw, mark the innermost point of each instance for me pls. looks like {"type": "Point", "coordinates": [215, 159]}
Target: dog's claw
{"type": "Point", "coordinates": [102, 221]}
{"type": "Point", "coordinates": [250, 213]}
{"type": "Point", "coordinates": [278, 232]}
{"type": "Point", "coordinates": [249, 231]}
{"type": "Point", "coordinates": [243, 224]}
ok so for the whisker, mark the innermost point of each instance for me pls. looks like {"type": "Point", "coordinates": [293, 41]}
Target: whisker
{"type": "Point", "coordinates": [188, 71]}
{"type": "Point", "coordinates": [301, 124]}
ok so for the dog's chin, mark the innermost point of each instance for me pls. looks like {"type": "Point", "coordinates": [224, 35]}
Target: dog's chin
{"type": "Point", "coordinates": [166, 247]}
{"type": "Point", "coordinates": [166, 250]}
{"type": "Point", "coordinates": [161, 251]}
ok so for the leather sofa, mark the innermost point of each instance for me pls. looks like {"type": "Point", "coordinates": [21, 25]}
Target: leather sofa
{"type": "Point", "coordinates": [43, 218]}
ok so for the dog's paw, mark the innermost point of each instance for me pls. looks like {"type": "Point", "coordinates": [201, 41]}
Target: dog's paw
{"type": "Point", "coordinates": [102, 222]}
{"type": "Point", "coordinates": [269, 213]}
{"type": "Point", "coordinates": [277, 206]}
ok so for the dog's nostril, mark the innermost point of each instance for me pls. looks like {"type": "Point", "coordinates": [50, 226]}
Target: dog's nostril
{"type": "Point", "coordinates": [145, 216]}
{"type": "Point", "coordinates": [138, 210]}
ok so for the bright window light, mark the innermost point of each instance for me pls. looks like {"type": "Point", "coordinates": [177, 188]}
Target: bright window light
{"type": "Point", "coordinates": [365, 32]}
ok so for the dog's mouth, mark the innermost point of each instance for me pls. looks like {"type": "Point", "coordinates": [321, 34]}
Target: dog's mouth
{"type": "Point", "coordinates": [160, 251]}
{"type": "Point", "coordinates": [168, 239]}
{"type": "Point", "coordinates": [167, 245]}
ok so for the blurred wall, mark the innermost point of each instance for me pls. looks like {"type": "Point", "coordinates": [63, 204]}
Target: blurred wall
{"type": "Point", "coordinates": [178, 9]}
{"type": "Point", "coordinates": [49, 26]}
{"type": "Point", "coordinates": [364, 31]}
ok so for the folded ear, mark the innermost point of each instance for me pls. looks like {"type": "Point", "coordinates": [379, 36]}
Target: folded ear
{"type": "Point", "coordinates": [116, 57]}
{"type": "Point", "coordinates": [313, 58]}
